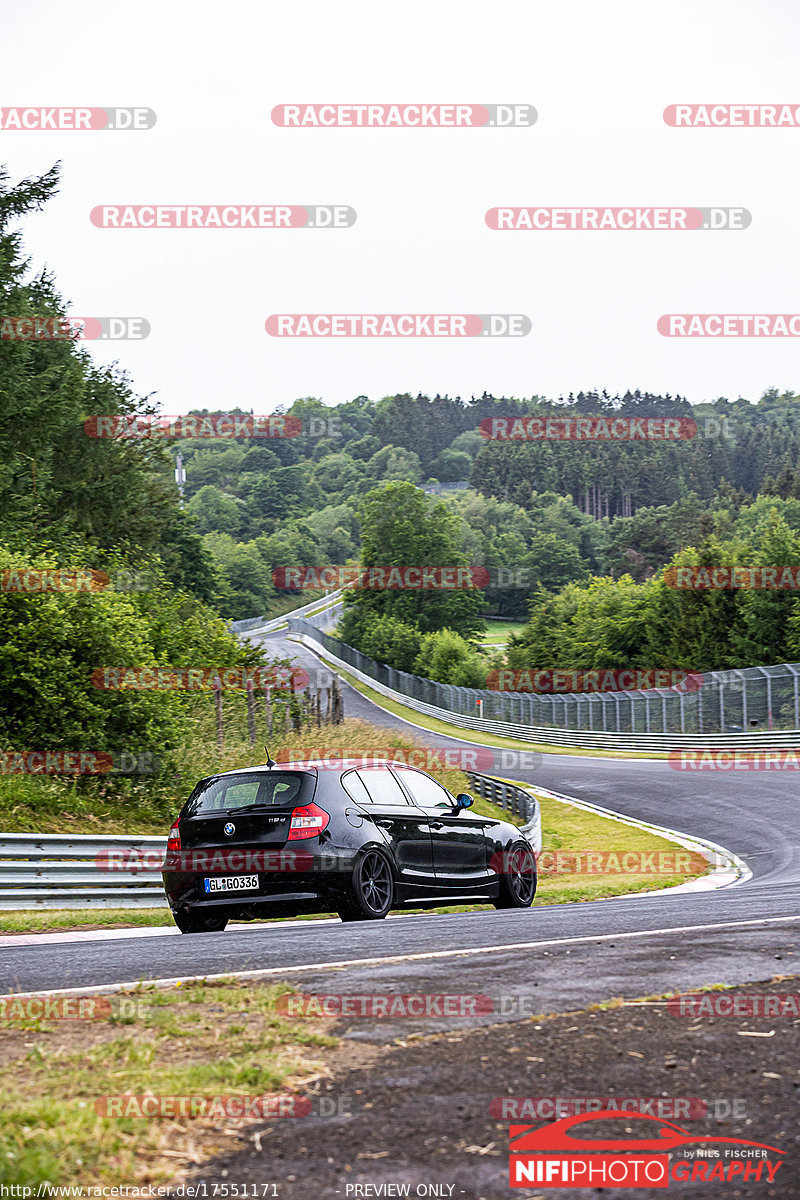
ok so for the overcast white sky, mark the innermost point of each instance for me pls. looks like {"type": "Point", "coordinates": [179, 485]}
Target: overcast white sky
{"type": "Point", "coordinates": [599, 72]}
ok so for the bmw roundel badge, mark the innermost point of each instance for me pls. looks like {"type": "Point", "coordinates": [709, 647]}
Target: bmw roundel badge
{"type": "Point", "coordinates": [229, 829]}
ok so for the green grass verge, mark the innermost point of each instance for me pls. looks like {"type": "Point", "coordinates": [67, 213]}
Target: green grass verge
{"type": "Point", "coordinates": [211, 1039]}
{"type": "Point", "coordinates": [285, 605]}
{"type": "Point", "coordinates": [44, 920]}
{"type": "Point", "coordinates": [499, 631]}
{"type": "Point", "coordinates": [568, 831]}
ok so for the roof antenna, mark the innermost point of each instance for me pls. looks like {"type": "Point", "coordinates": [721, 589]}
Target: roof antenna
{"type": "Point", "coordinates": [270, 762]}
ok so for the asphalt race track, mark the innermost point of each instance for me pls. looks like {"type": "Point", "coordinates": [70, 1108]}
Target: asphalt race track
{"type": "Point", "coordinates": [560, 957]}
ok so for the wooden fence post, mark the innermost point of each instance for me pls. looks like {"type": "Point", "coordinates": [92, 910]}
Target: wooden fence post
{"type": "Point", "coordinates": [251, 712]}
{"type": "Point", "coordinates": [218, 713]}
{"type": "Point", "coordinates": [268, 710]}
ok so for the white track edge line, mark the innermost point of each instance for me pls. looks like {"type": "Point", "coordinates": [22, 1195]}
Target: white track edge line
{"type": "Point", "coordinates": [466, 952]}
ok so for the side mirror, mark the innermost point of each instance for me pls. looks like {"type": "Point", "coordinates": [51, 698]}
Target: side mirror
{"type": "Point", "coordinates": [464, 801]}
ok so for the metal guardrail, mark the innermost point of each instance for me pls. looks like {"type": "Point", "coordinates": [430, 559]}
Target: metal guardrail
{"type": "Point", "coordinates": [259, 625]}
{"type": "Point", "coordinates": [51, 870]}
{"type": "Point", "coordinates": [345, 658]}
{"type": "Point", "coordinates": [78, 871]}
{"type": "Point", "coordinates": [514, 800]}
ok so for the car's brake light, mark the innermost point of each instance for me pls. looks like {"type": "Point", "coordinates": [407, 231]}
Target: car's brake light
{"type": "Point", "coordinates": [307, 822]}
{"type": "Point", "coordinates": [174, 839]}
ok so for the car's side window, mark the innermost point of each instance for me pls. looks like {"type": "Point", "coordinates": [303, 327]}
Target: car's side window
{"type": "Point", "coordinates": [426, 792]}
{"type": "Point", "coordinates": [382, 786]}
{"type": "Point", "coordinates": [355, 788]}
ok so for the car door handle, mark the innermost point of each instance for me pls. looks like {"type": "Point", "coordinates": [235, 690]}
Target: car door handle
{"type": "Point", "coordinates": [436, 824]}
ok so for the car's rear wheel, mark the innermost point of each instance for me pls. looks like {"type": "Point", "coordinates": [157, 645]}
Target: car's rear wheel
{"type": "Point", "coordinates": [518, 879]}
{"type": "Point", "coordinates": [371, 890]}
{"type": "Point", "coordinates": [189, 921]}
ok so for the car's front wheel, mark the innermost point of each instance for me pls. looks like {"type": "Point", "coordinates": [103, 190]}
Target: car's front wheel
{"type": "Point", "coordinates": [518, 879]}
{"type": "Point", "coordinates": [189, 921]}
{"type": "Point", "coordinates": [371, 891]}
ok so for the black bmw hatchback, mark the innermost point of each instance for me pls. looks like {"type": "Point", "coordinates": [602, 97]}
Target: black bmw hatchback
{"type": "Point", "coordinates": [296, 838]}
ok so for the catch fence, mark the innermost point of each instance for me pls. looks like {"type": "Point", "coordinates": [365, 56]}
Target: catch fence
{"type": "Point", "coordinates": [744, 706]}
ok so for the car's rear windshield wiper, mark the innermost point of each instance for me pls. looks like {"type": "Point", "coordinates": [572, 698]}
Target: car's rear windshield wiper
{"type": "Point", "coordinates": [257, 808]}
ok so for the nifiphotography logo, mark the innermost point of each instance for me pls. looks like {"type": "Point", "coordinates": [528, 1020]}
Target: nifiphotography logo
{"type": "Point", "coordinates": [551, 1157]}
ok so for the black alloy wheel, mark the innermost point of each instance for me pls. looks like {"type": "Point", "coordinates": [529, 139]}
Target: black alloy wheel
{"type": "Point", "coordinates": [371, 889]}
{"type": "Point", "coordinates": [518, 880]}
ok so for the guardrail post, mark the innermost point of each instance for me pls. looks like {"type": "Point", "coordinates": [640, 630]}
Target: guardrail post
{"type": "Point", "coordinates": [796, 697]}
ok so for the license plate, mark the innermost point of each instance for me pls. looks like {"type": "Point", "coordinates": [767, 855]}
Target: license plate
{"type": "Point", "coordinates": [231, 883]}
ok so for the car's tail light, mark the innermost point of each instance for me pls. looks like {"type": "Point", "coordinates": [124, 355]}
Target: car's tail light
{"type": "Point", "coordinates": [174, 839]}
{"type": "Point", "coordinates": [307, 822]}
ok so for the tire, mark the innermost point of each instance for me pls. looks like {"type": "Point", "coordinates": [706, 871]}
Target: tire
{"type": "Point", "coordinates": [371, 892]}
{"type": "Point", "coordinates": [518, 880]}
{"type": "Point", "coordinates": [189, 921]}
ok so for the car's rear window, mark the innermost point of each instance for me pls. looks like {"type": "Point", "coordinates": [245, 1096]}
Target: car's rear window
{"type": "Point", "coordinates": [223, 792]}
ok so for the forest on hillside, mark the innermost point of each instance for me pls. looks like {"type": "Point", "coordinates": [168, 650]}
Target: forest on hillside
{"type": "Point", "coordinates": [575, 533]}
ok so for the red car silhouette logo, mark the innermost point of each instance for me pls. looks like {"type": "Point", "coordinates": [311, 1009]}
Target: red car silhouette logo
{"type": "Point", "coordinates": [557, 1136]}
